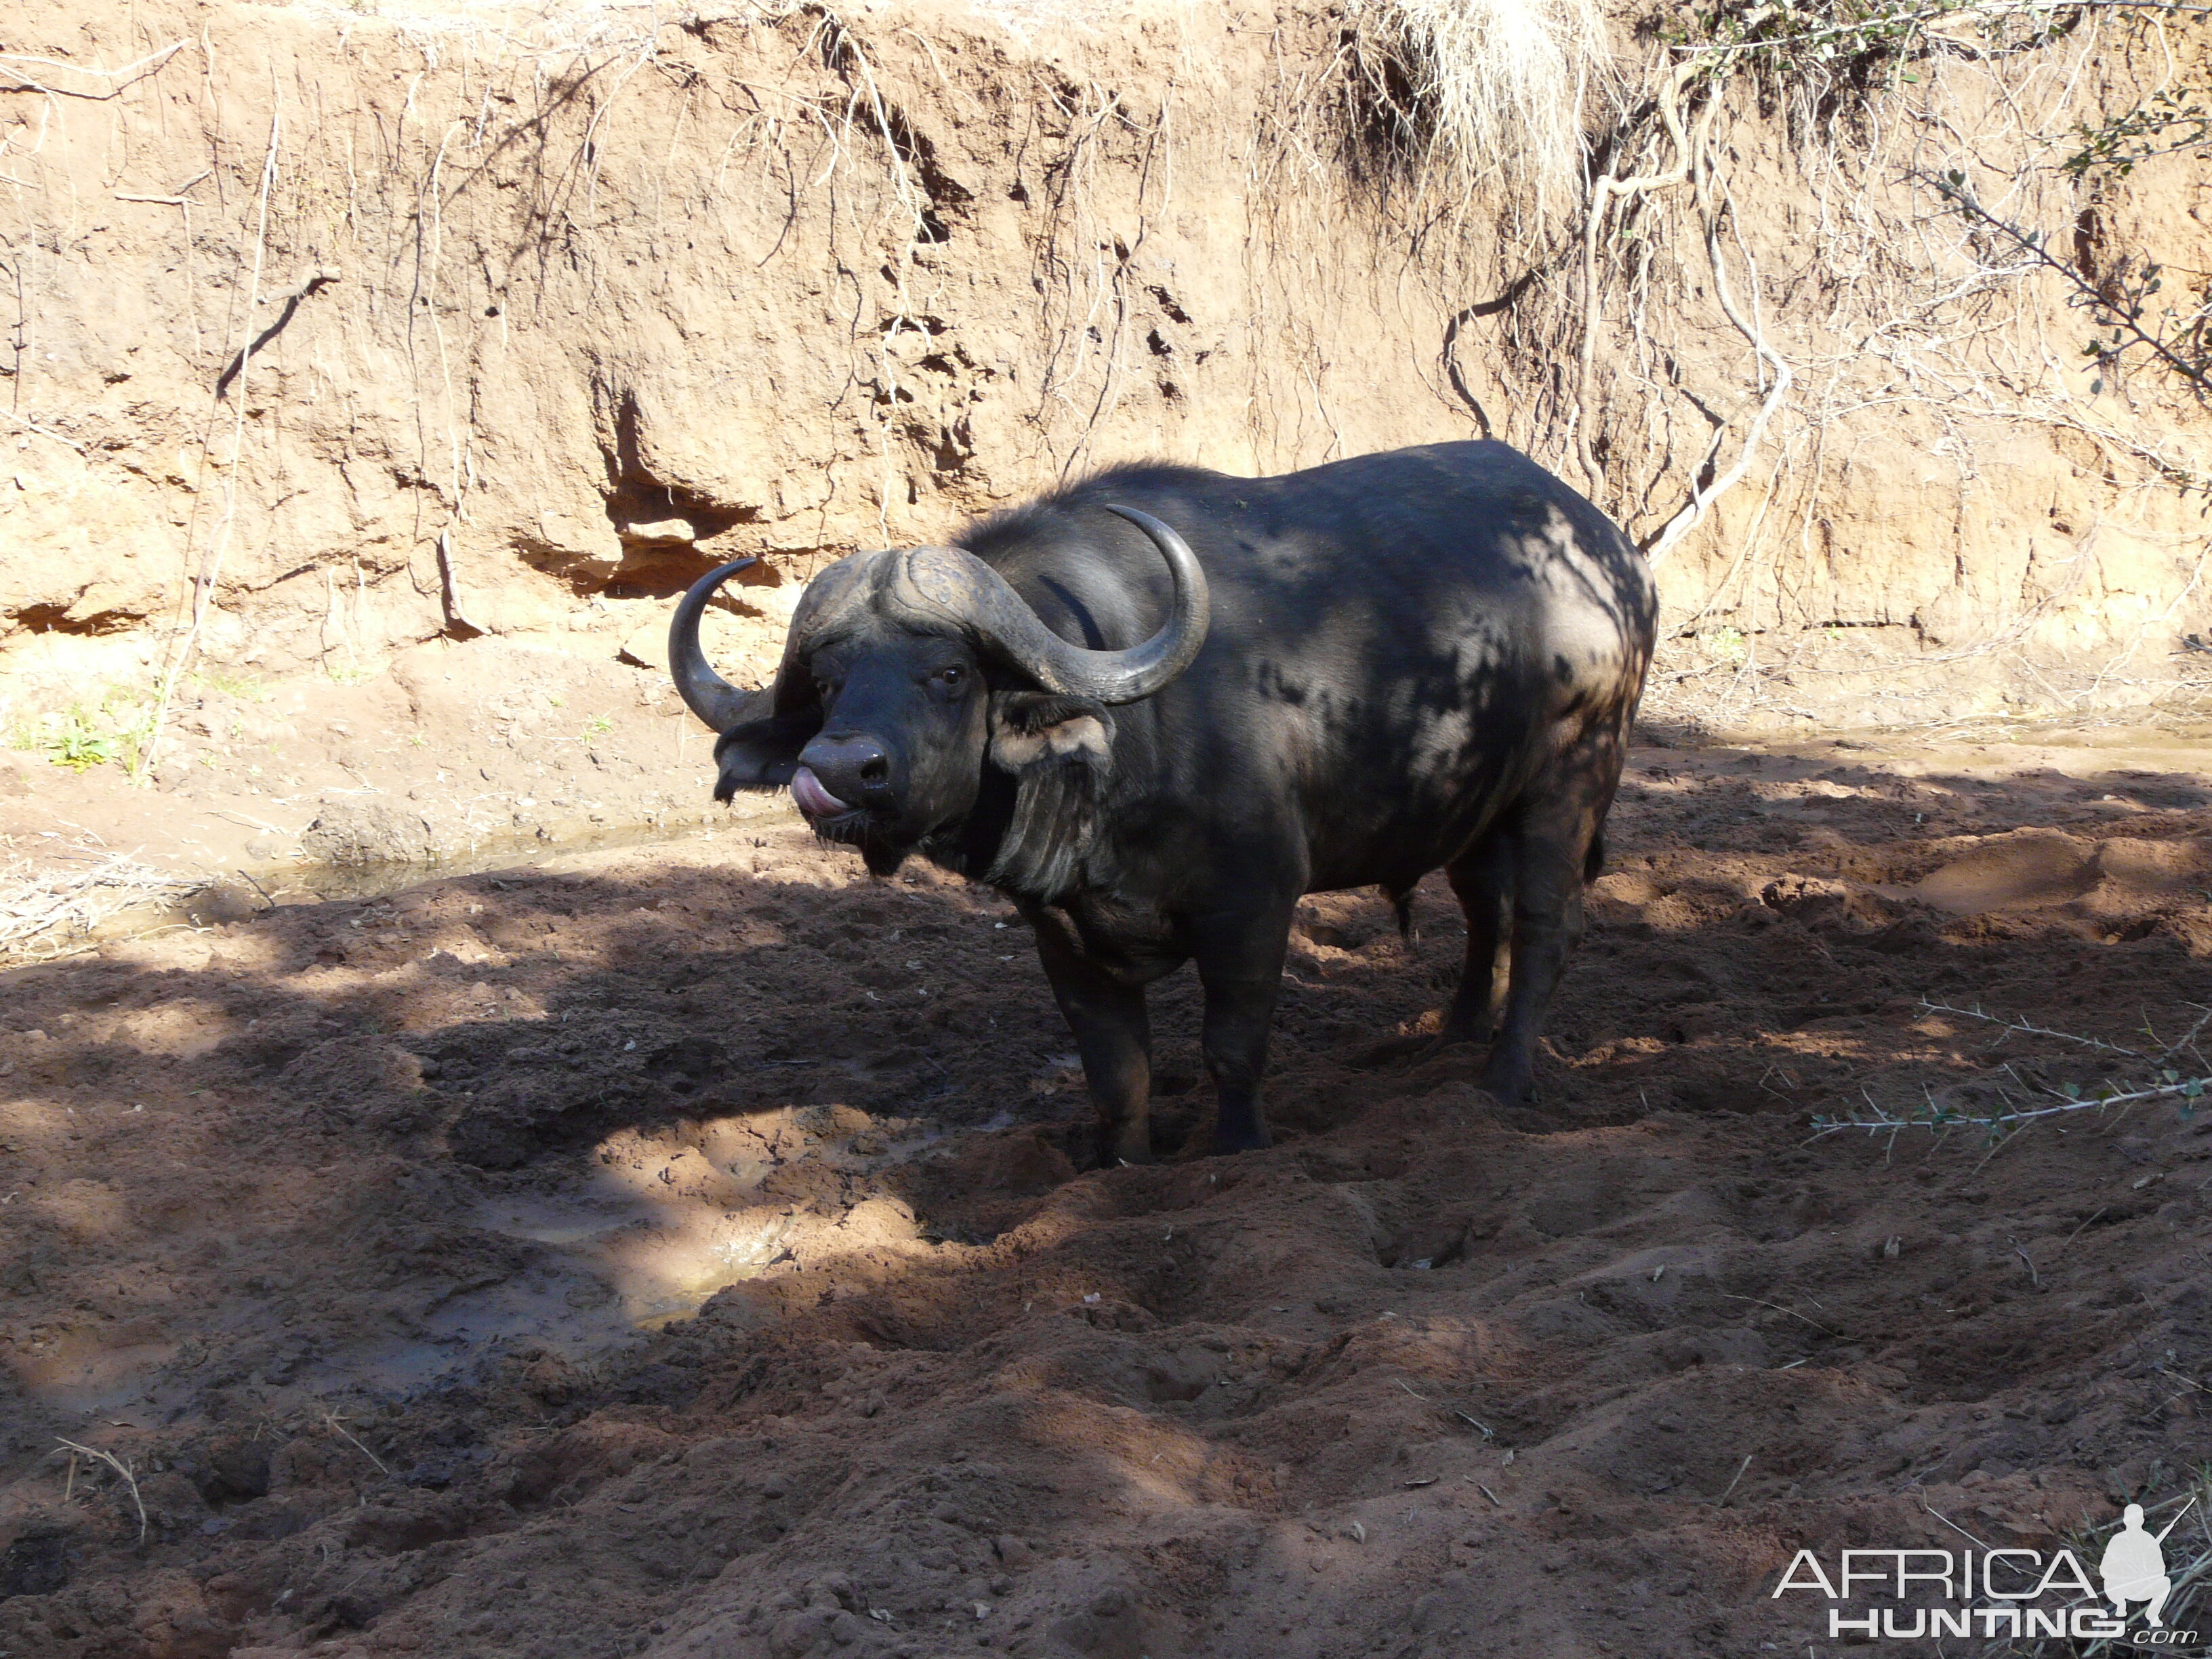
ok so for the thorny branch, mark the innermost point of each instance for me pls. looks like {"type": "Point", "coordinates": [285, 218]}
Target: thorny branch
{"type": "Point", "coordinates": [2165, 1084]}
{"type": "Point", "coordinates": [2119, 302]}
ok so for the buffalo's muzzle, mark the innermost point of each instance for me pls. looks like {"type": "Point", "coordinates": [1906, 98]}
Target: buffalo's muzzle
{"type": "Point", "coordinates": [837, 774]}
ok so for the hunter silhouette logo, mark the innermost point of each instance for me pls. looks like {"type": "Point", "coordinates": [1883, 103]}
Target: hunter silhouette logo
{"type": "Point", "coordinates": [2134, 1566]}
{"type": "Point", "coordinates": [1995, 1592]}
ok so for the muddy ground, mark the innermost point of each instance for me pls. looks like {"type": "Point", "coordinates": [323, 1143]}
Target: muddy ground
{"type": "Point", "coordinates": [309, 785]}
{"type": "Point", "coordinates": [686, 1250]}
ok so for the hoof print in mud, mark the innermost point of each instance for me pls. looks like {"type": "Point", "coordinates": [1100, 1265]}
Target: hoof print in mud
{"type": "Point", "coordinates": [685, 1065]}
{"type": "Point", "coordinates": [36, 1564]}
{"type": "Point", "coordinates": [496, 1136]}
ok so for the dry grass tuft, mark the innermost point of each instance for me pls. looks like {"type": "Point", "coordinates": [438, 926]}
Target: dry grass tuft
{"type": "Point", "coordinates": [1498, 90]}
{"type": "Point", "coordinates": [123, 1471]}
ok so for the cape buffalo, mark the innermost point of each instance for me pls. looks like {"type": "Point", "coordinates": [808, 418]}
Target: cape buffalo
{"type": "Point", "coordinates": [1157, 706]}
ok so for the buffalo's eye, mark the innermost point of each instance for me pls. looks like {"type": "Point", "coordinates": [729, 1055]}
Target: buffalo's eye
{"type": "Point", "coordinates": [951, 678]}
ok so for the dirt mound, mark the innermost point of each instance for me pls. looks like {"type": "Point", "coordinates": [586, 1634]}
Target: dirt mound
{"type": "Point", "coordinates": [686, 1251]}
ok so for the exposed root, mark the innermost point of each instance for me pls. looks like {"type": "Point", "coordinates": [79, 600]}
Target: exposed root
{"type": "Point", "coordinates": [1706, 493]}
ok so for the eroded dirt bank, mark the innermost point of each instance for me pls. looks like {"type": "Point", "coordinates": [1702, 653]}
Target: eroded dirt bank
{"type": "Point", "coordinates": [684, 1251]}
{"type": "Point", "coordinates": [340, 329]}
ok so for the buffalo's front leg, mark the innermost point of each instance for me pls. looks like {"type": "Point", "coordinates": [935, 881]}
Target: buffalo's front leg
{"type": "Point", "coordinates": [1112, 1035]}
{"type": "Point", "coordinates": [1240, 964]}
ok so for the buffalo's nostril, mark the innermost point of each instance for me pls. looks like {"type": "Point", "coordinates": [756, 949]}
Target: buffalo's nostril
{"type": "Point", "coordinates": [850, 767]}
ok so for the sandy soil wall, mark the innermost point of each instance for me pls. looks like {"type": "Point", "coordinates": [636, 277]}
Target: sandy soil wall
{"type": "Point", "coordinates": [336, 333]}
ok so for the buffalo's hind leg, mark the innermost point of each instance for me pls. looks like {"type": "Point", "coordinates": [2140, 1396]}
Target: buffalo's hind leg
{"type": "Point", "coordinates": [1482, 877]}
{"type": "Point", "coordinates": [1113, 1035]}
{"type": "Point", "coordinates": [1552, 852]}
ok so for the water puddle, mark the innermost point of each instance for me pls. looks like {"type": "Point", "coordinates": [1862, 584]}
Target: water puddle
{"type": "Point", "coordinates": [640, 1233]}
{"type": "Point", "coordinates": [212, 897]}
{"type": "Point", "coordinates": [652, 1261]}
{"type": "Point", "coordinates": [299, 882]}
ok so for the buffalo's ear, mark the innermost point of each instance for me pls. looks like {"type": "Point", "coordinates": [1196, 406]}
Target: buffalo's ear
{"type": "Point", "coordinates": [763, 754]}
{"type": "Point", "coordinates": [1061, 751]}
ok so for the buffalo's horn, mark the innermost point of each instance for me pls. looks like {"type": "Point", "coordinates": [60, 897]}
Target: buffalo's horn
{"type": "Point", "coordinates": [960, 586]}
{"type": "Point", "coordinates": [706, 693]}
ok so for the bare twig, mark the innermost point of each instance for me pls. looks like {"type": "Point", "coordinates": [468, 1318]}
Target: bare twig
{"type": "Point", "coordinates": [1949, 1522]}
{"type": "Point", "coordinates": [179, 197]}
{"type": "Point", "coordinates": [149, 65]}
{"type": "Point", "coordinates": [2188, 1038]}
{"type": "Point", "coordinates": [336, 1425]}
{"type": "Point", "coordinates": [2078, 1232]}
{"type": "Point", "coordinates": [1740, 1468]}
{"type": "Point", "coordinates": [42, 431]}
{"type": "Point", "coordinates": [1778, 1308]}
{"type": "Point", "coordinates": [47, 912]}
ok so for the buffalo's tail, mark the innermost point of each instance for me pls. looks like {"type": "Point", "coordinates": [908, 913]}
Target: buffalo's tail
{"type": "Point", "coordinates": [1402, 905]}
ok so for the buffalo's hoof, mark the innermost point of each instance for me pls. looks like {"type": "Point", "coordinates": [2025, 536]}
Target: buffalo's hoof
{"type": "Point", "coordinates": [1116, 1149]}
{"type": "Point", "coordinates": [1510, 1091]}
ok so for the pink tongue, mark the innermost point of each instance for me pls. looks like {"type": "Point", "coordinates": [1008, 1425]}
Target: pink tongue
{"type": "Point", "coordinates": [813, 799]}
